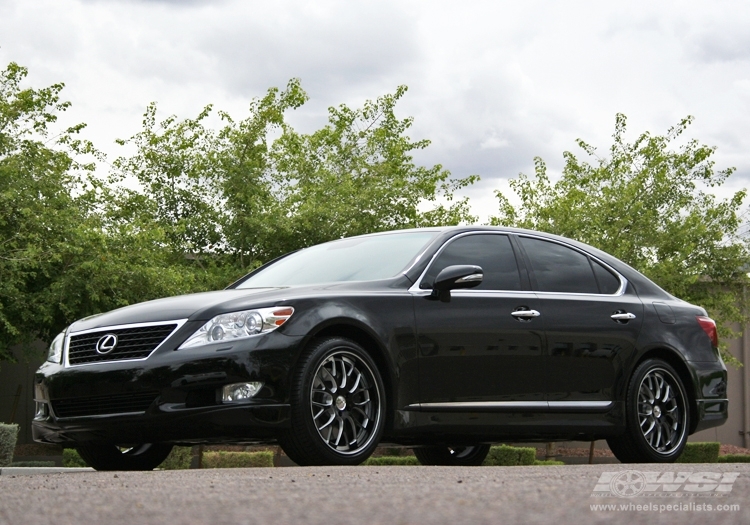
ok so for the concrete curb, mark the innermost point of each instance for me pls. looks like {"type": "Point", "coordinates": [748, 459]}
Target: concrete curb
{"type": "Point", "coordinates": [27, 471]}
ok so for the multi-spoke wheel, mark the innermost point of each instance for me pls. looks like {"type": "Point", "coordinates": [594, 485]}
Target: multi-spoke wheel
{"type": "Point", "coordinates": [106, 456]}
{"type": "Point", "coordinates": [468, 456]}
{"type": "Point", "coordinates": [657, 416]}
{"type": "Point", "coordinates": [338, 405]}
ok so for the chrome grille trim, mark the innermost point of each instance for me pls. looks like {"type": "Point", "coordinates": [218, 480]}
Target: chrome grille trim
{"type": "Point", "coordinates": [108, 329]}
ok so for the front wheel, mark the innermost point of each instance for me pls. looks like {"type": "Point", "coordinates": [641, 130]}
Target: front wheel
{"type": "Point", "coordinates": [657, 416]}
{"type": "Point", "coordinates": [338, 405]}
{"type": "Point", "coordinates": [470, 456]}
{"type": "Point", "coordinates": [105, 456]}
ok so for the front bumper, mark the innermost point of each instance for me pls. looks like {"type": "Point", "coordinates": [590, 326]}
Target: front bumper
{"type": "Point", "coordinates": [181, 389]}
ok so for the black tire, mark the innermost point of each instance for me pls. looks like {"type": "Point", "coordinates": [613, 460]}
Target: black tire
{"type": "Point", "coordinates": [337, 405]}
{"type": "Point", "coordinates": [105, 456]}
{"type": "Point", "coordinates": [468, 456]}
{"type": "Point", "coordinates": [657, 416]}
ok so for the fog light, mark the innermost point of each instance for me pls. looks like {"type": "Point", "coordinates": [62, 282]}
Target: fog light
{"type": "Point", "coordinates": [42, 412]}
{"type": "Point", "coordinates": [240, 392]}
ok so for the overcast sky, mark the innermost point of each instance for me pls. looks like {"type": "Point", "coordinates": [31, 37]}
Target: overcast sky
{"type": "Point", "coordinates": [492, 84]}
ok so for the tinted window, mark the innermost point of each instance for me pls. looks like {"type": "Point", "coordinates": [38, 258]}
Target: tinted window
{"type": "Point", "coordinates": [558, 268]}
{"type": "Point", "coordinates": [608, 282]}
{"type": "Point", "coordinates": [492, 252]}
{"type": "Point", "coordinates": [356, 259]}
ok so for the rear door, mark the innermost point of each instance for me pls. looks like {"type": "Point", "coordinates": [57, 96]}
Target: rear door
{"type": "Point", "coordinates": [591, 321]}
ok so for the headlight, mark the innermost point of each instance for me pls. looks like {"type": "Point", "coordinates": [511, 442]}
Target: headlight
{"type": "Point", "coordinates": [239, 325]}
{"type": "Point", "coordinates": [54, 354]}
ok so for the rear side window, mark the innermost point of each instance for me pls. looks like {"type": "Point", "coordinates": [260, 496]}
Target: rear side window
{"type": "Point", "coordinates": [492, 252]}
{"type": "Point", "coordinates": [609, 283]}
{"type": "Point", "coordinates": [558, 268]}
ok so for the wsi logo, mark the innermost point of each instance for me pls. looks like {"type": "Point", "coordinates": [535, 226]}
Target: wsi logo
{"type": "Point", "coordinates": [632, 483]}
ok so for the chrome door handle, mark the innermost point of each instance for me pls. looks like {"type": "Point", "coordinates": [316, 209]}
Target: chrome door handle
{"type": "Point", "coordinates": [525, 314]}
{"type": "Point", "coordinates": [626, 316]}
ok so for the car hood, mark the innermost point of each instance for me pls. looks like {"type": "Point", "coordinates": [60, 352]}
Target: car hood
{"type": "Point", "coordinates": [196, 307]}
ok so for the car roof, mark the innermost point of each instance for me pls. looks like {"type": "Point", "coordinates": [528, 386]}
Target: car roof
{"type": "Point", "coordinates": [642, 284]}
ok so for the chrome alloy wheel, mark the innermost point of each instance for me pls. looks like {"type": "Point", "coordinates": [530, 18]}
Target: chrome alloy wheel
{"type": "Point", "coordinates": [345, 402]}
{"type": "Point", "coordinates": [661, 411]}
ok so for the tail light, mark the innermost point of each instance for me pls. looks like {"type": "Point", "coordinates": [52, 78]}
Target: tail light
{"type": "Point", "coordinates": [709, 326]}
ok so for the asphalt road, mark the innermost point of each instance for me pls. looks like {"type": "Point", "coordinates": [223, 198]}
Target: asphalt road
{"type": "Point", "coordinates": [380, 495]}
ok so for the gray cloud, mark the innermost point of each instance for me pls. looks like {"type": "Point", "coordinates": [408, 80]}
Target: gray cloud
{"type": "Point", "coordinates": [493, 84]}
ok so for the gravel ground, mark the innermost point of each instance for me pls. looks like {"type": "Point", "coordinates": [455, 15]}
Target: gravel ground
{"type": "Point", "coordinates": [354, 495]}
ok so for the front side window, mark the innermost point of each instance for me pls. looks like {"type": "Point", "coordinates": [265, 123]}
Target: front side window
{"type": "Point", "coordinates": [492, 252]}
{"type": "Point", "coordinates": [558, 268]}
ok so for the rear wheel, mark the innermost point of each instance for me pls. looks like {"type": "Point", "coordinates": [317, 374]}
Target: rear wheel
{"type": "Point", "coordinates": [657, 416]}
{"type": "Point", "coordinates": [469, 456]}
{"type": "Point", "coordinates": [105, 456]}
{"type": "Point", "coordinates": [338, 405]}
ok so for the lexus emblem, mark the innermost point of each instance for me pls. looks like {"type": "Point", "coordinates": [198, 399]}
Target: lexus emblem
{"type": "Point", "coordinates": [106, 344]}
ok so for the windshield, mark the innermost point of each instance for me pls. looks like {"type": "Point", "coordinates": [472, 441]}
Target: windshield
{"type": "Point", "coordinates": [355, 259]}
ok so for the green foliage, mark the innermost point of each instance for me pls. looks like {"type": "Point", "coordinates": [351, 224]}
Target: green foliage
{"type": "Point", "coordinates": [233, 198]}
{"type": "Point", "coordinates": [735, 458]}
{"type": "Point", "coordinates": [179, 459]}
{"type": "Point", "coordinates": [700, 453]}
{"type": "Point", "coordinates": [646, 203]}
{"type": "Point", "coordinates": [222, 459]}
{"type": "Point", "coordinates": [8, 436]}
{"type": "Point", "coordinates": [71, 459]}
{"type": "Point", "coordinates": [61, 259]}
{"type": "Point", "coordinates": [548, 462]}
{"type": "Point", "coordinates": [33, 464]}
{"type": "Point", "coordinates": [505, 455]}
{"type": "Point", "coordinates": [391, 460]}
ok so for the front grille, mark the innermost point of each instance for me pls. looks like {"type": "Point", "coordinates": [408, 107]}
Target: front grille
{"type": "Point", "coordinates": [101, 405]}
{"type": "Point", "coordinates": [132, 343]}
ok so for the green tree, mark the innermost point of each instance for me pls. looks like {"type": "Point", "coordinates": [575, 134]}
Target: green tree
{"type": "Point", "coordinates": [60, 259]}
{"type": "Point", "coordinates": [357, 175]}
{"type": "Point", "coordinates": [647, 204]}
{"type": "Point", "coordinates": [37, 211]}
{"type": "Point", "coordinates": [232, 198]}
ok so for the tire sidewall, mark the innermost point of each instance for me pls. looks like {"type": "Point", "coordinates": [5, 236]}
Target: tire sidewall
{"type": "Point", "coordinates": [319, 354]}
{"type": "Point", "coordinates": [638, 439]}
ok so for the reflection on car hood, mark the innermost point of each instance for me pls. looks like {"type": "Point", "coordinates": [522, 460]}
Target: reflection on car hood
{"type": "Point", "coordinates": [172, 308]}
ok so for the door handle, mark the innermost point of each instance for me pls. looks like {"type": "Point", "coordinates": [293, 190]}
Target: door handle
{"type": "Point", "coordinates": [622, 316]}
{"type": "Point", "coordinates": [525, 314]}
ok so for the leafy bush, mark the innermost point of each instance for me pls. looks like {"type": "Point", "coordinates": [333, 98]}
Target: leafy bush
{"type": "Point", "coordinates": [700, 453]}
{"type": "Point", "coordinates": [505, 455]}
{"type": "Point", "coordinates": [547, 462]}
{"type": "Point", "coordinates": [735, 458]}
{"type": "Point", "coordinates": [71, 459]}
{"type": "Point", "coordinates": [33, 464]}
{"type": "Point", "coordinates": [223, 459]}
{"type": "Point", "coordinates": [392, 460]}
{"type": "Point", "coordinates": [179, 459]}
{"type": "Point", "coordinates": [8, 436]}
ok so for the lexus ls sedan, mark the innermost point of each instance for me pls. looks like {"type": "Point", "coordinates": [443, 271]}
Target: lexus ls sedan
{"type": "Point", "coordinates": [442, 339]}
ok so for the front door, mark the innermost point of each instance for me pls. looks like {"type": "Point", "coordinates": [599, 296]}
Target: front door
{"type": "Point", "coordinates": [484, 348]}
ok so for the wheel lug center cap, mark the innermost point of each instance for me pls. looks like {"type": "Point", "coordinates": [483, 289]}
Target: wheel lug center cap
{"type": "Point", "coordinates": [341, 402]}
{"type": "Point", "coordinates": [657, 411]}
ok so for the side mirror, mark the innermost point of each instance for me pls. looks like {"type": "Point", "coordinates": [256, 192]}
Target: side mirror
{"type": "Point", "coordinates": [454, 278]}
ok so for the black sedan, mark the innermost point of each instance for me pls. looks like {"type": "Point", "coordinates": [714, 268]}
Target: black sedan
{"type": "Point", "coordinates": [444, 339]}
